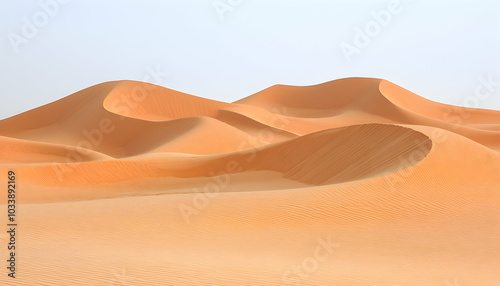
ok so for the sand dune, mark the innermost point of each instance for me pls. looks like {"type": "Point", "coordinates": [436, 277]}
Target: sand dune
{"type": "Point", "coordinates": [355, 181]}
{"type": "Point", "coordinates": [151, 102]}
{"type": "Point", "coordinates": [367, 100]}
{"type": "Point", "coordinates": [22, 151]}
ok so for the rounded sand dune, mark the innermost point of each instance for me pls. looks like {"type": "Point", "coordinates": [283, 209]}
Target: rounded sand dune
{"type": "Point", "coordinates": [352, 182]}
{"type": "Point", "coordinates": [151, 102]}
{"type": "Point", "coordinates": [322, 100]}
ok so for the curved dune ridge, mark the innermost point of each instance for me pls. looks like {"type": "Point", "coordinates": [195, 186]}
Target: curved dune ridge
{"type": "Point", "coordinates": [130, 183]}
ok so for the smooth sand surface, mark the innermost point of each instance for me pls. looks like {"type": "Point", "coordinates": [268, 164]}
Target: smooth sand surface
{"type": "Point", "coordinates": [351, 182]}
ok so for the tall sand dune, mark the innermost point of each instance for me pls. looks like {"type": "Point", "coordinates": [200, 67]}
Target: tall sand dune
{"type": "Point", "coordinates": [356, 181]}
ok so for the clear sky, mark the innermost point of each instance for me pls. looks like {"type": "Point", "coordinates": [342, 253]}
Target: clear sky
{"type": "Point", "coordinates": [446, 50]}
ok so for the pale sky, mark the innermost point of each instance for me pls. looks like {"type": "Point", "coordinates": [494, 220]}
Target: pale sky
{"type": "Point", "coordinates": [229, 49]}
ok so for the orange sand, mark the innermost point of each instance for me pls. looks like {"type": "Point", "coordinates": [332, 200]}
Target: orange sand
{"type": "Point", "coordinates": [352, 182]}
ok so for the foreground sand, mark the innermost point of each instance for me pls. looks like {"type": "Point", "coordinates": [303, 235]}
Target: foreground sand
{"type": "Point", "coordinates": [351, 182]}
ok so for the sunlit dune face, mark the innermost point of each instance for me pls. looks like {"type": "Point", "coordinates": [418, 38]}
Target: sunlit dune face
{"type": "Point", "coordinates": [151, 102]}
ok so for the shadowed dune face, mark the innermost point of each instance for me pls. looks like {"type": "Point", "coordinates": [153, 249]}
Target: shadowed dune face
{"type": "Point", "coordinates": [261, 131]}
{"type": "Point", "coordinates": [174, 189]}
{"type": "Point", "coordinates": [347, 154]}
{"type": "Point", "coordinates": [336, 155]}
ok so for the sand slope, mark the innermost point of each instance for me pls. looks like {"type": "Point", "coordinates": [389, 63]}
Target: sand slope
{"type": "Point", "coordinates": [355, 181]}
